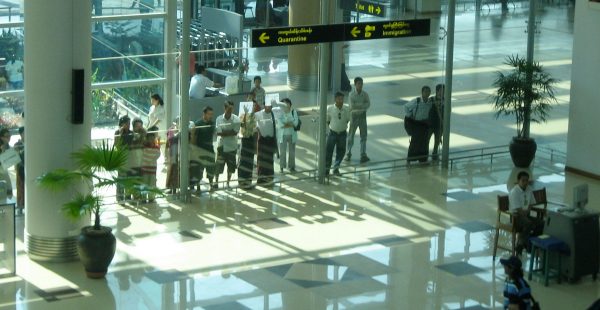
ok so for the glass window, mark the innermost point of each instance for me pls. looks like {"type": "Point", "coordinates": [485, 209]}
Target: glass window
{"type": "Point", "coordinates": [128, 50]}
{"type": "Point", "coordinates": [126, 7]}
{"type": "Point", "coordinates": [11, 59]}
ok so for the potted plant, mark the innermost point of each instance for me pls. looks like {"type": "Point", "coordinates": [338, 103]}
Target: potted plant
{"type": "Point", "coordinates": [97, 167]}
{"type": "Point", "coordinates": [527, 92]}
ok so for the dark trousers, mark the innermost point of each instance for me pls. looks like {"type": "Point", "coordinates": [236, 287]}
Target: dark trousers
{"type": "Point", "coordinates": [335, 140]}
{"type": "Point", "coordinates": [247, 161]}
{"type": "Point", "coordinates": [526, 227]}
{"type": "Point", "coordinates": [418, 148]}
{"type": "Point", "coordinates": [267, 146]}
{"type": "Point", "coordinates": [437, 140]}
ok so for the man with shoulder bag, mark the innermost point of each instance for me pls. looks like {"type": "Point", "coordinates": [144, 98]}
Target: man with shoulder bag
{"type": "Point", "coordinates": [417, 125]}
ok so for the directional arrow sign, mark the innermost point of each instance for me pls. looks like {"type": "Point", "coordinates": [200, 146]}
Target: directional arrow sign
{"type": "Point", "coordinates": [264, 38]}
{"type": "Point", "coordinates": [282, 36]}
{"type": "Point", "coordinates": [364, 6]}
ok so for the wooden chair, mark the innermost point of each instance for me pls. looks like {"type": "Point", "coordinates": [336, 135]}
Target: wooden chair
{"type": "Point", "coordinates": [541, 203]}
{"type": "Point", "coordinates": [503, 212]}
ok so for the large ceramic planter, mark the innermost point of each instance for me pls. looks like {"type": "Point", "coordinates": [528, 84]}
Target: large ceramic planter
{"type": "Point", "coordinates": [96, 248]}
{"type": "Point", "coordinates": [522, 151]}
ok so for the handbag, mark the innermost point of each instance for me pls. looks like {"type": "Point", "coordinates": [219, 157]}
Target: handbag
{"type": "Point", "coordinates": [297, 127]}
{"type": "Point", "coordinates": [409, 125]}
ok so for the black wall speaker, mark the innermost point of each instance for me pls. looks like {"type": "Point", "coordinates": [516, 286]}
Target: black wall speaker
{"type": "Point", "coordinates": [77, 100]}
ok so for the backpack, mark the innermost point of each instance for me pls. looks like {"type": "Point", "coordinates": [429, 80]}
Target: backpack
{"type": "Point", "coordinates": [297, 127]}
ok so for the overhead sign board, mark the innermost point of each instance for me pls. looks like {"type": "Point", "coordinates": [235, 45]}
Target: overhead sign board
{"type": "Point", "coordinates": [364, 7]}
{"type": "Point", "coordinates": [282, 36]}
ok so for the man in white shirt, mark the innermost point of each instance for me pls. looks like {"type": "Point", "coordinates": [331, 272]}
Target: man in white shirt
{"type": "Point", "coordinates": [519, 201]}
{"type": "Point", "coordinates": [227, 127]}
{"type": "Point", "coordinates": [14, 71]}
{"type": "Point", "coordinates": [338, 116]}
{"type": "Point", "coordinates": [267, 144]}
{"type": "Point", "coordinates": [199, 83]}
{"type": "Point", "coordinates": [359, 104]}
{"type": "Point", "coordinates": [418, 111]}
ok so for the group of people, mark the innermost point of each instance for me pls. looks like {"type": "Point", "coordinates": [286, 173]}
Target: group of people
{"type": "Point", "coordinates": [143, 146]}
{"type": "Point", "coordinates": [423, 119]}
{"type": "Point", "coordinates": [342, 116]}
{"type": "Point", "coordinates": [262, 133]}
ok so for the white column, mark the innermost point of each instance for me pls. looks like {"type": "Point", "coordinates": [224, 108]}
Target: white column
{"type": "Point", "coordinates": [57, 40]}
{"type": "Point", "coordinates": [583, 146]}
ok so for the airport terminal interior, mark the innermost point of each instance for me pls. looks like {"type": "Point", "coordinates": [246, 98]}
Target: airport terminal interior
{"type": "Point", "coordinates": [381, 235]}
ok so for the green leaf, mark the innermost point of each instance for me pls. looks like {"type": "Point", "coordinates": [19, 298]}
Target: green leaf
{"type": "Point", "coordinates": [104, 157]}
{"type": "Point", "coordinates": [80, 206]}
{"type": "Point", "coordinates": [61, 179]}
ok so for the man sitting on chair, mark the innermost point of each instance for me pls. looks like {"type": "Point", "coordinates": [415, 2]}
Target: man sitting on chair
{"type": "Point", "coordinates": [520, 201]}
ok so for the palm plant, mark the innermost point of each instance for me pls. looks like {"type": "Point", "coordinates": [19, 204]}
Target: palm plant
{"type": "Point", "coordinates": [97, 167]}
{"type": "Point", "coordinates": [528, 98]}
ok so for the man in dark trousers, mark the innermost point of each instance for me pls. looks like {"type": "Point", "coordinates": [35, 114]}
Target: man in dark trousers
{"type": "Point", "coordinates": [418, 111]}
{"type": "Point", "coordinates": [338, 117]}
{"type": "Point", "coordinates": [437, 120]}
{"type": "Point", "coordinates": [267, 144]}
{"type": "Point", "coordinates": [202, 144]}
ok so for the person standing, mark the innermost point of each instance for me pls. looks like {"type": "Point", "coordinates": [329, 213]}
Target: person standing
{"type": "Point", "coordinates": [199, 83]}
{"type": "Point", "coordinates": [5, 146]}
{"type": "Point", "coordinates": [172, 157]}
{"type": "Point", "coordinates": [437, 120]}
{"type": "Point", "coordinates": [123, 139]}
{"type": "Point", "coordinates": [520, 200]}
{"type": "Point", "coordinates": [202, 142]}
{"type": "Point", "coordinates": [249, 137]}
{"type": "Point", "coordinates": [338, 116]}
{"type": "Point", "coordinates": [267, 144]}
{"type": "Point", "coordinates": [157, 115]}
{"type": "Point", "coordinates": [136, 150]}
{"type": "Point", "coordinates": [258, 91]}
{"type": "Point", "coordinates": [517, 293]}
{"type": "Point", "coordinates": [20, 168]}
{"type": "Point", "coordinates": [359, 104]}
{"type": "Point", "coordinates": [14, 71]}
{"type": "Point", "coordinates": [287, 136]}
{"type": "Point", "coordinates": [228, 127]}
{"type": "Point", "coordinates": [151, 153]}
{"type": "Point", "coordinates": [418, 111]}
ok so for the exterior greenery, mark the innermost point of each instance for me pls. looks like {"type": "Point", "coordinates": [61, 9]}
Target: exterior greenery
{"type": "Point", "coordinates": [527, 92]}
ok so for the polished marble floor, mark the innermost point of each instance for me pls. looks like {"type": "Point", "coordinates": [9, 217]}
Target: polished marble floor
{"type": "Point", "coordinates": [393, 238]}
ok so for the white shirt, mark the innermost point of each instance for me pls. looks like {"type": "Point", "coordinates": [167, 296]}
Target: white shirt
{"type": "Point", "coordinates": [229, 143]}
{"type": "Point", "coordinates": [519, 198]}
{"type": "Point", "coordinates": [198, 86]}
{"type": "Point", "coordinates": [338, 118]}
{"type": "Point", "coordinates": [157, 113]}
{"type": "Point", "coordinates": [359, 102]}
{"type": "Point", "coordinates": [12, 70]}
{"type": "Point", "coordinates": [264, 123]}
{"type": "Point", "coordinates": [418, 109]}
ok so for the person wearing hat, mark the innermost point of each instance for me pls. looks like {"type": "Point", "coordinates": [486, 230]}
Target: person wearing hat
{"type": "Point", "coordinates": [267, 144]}
{"type": "Point", "coordinates": [517, 293]}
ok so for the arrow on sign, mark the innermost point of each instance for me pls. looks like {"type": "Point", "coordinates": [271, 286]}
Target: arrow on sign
{"type": "Point", "coordinates": [378, 10]}
{"type": "Point", "coordinates": [263, 38]}
{"type": "Point", "coordinates": [355, 32]}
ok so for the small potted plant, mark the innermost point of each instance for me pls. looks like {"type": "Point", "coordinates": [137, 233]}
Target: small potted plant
{"type": "Point", "coordinates": [527, 92]}
{"type": "Point", "coordinates": [98, 167]}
